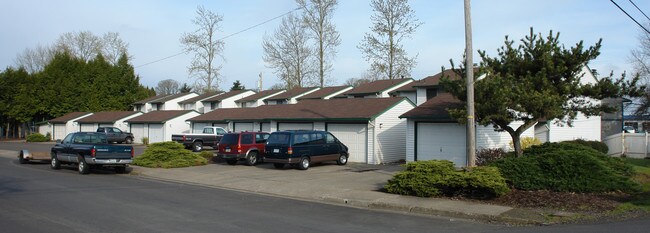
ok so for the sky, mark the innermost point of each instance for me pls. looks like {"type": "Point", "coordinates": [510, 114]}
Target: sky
{"type": "Point", "coordinates": [152, 28]}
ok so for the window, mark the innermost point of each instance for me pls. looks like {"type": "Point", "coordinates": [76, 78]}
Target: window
{"type": "Point", "coordinates": [329, 138]}
{"type": "Point", "coordinates": [317, 138]}
{"type": "Point", "coordinates": [220, 131]}
{"type": "Point", "coordinates": [213, 105]}
{"type": "Point", "coordinates": [247, 138]}
{"type": "Point", "coordinates": [208, 131]}
{"type": "Point", "coordinates": [116, 130]}
{"type": "Point", "coordinates": [278, 138]}
{"type": "Point", "coordinates": [261, 138]}
{"type": "Point", "coordinates": [432, 92]}
{"type": "Point", "coordinates": [300, 139]}
{"type": "Point", "coordinates": [67, 139]}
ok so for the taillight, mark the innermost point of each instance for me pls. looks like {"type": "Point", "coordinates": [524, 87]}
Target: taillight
{"type": "Point", "coordinates": [290, 151]}
{"type": "Point", "coordinates": [132, 152]}
{"type": "Point", "coordinates": [93, 152]}
{"type": "Point", "coordinates": [183, 137]}
{"type": "Point", "coordinates": [238, 148]}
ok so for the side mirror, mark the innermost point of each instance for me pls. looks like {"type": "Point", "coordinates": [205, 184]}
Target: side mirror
{"type": "Point", "coordinates": [58, 141]}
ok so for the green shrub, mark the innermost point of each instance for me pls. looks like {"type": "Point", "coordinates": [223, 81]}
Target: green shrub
{"type": "Point", "coordinates": [526, 142]}
{"type": "Point", "coordinates": [168, 155]}
{"type": "Point", "coordinates": [567, 167]}
{"type": "Point", "coordinates": [599, 146]}
{"type": "Point", "coordinates": [49, 136]}
{"type": "Point", "coordinates": [487, 156]}
{"type": "Point", "coordinates": [37, 137]}
{"type": "Point", "coordinates": [439, 178]}
{"type": "Point", "coordinates": [145, 141]}
{"type": "Point", "coordinates": [207, 155]}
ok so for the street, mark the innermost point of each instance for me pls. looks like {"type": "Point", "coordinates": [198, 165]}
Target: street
{"type": "Point", "coordinates": [34, 198]}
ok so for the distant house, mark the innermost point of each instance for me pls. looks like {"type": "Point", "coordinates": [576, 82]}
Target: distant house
{"type": "Point", "coordinates": [63, 125]}
{"type": "Point", "coordinates": [375, 89]}
{"type": "Point", "coordinates": [162, 102]}
{"type": "Point", "coordinates": [106, 119]}
{"type": "Point", "coordinates": [196, 103]}
{"type": "Point", "coordinates": [159, 126]}
{"type": "Point", "coordinates": [326, 93]}
{"type": "Point", "coordinates": [257, 99]}
{"type": "Point", "coordinates": [225, 100]}
{"type": "Point", "coordinates": [290, 96]}
{"type": "Point", "coordinates": [422, 90]}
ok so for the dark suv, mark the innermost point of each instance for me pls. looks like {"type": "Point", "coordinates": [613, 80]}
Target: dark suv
{"type": "Point", "coordinates": [302, 147]}
{"type": "Point", "coordinates": [247, 146]}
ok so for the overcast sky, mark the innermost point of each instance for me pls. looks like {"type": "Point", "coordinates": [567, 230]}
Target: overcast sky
{"type": "Point", "coordinates": [153, 28]}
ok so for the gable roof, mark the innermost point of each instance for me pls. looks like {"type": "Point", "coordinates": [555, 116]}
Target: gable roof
{"type": "Point", "coordinates": [171, 97]}
{"type": "Point", "coordinates": [291, 93]}
{"type": "Point", "coordinates": [347, 109]}
{"type": "Point", "coordinates": [323, 92]}
{"type": "Point", "coordinates": [70, 116]}
{"type": "Point", "coordinates": [107, 117]}
{"type": "Point", "coordinates": [259, 95]}
{"type": "Point", "coordinates": [435, 109]}
{"type": "Point", "coordinates": [144, 101]}
{"type": "Point", "coordinates": [376, 86]}
{"type": "Point", "coordinates": [224, 96]}
{"type": "Point", "coordinates": [430, 81]}
{"type": "Point", "coordinates": [158, 116]}
{"type": "Point", "coordinates": [199, 98]}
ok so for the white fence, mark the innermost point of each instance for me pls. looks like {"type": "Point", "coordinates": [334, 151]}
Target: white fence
{"type": "Point", "coordinates": [632, 145]}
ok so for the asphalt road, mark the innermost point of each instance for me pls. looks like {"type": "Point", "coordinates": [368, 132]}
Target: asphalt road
{"type": "Point", "coordinates": [34, 198]}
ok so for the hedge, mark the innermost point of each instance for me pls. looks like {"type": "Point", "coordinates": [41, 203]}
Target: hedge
{"type": "Point", "coordinates": [168, 155]}
{"type": "Point", "coordinates": [37, 137]}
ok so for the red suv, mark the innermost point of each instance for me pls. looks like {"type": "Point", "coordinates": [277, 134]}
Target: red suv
{"type": "Point", "coordinates": [248, 146]}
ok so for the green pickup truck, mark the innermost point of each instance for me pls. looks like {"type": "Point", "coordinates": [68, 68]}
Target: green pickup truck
{"type": "Point", "coordinates": [90, 149]}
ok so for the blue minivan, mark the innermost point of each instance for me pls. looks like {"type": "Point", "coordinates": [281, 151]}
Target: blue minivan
{"type": "Point", "coordinates": [303, 147]}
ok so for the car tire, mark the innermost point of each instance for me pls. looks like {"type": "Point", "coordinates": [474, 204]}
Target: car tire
{"type": "Point", "coordinates": [251, 160]}
{"type": "Point", "coordinates": [197, 146]}
{"type": "Point", "coordinates": [231, 161]}
{"type": "Point", "coordinates": [128, 140]}
{"type": "Point", "coordinates": [278, 165]}
{"type": "Point", "coordinates": [304, 163]}
{"type": "Point", "coordinates": [55, 163]}
{"type": "Point", "coordinates": [120, 169]}
{"type": "Point", "coordinates": [342, 160]}
{"type": "Point", "coordinates": [82, 166]}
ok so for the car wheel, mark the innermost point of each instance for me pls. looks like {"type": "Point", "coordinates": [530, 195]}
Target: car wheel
{"type": "Point", "coordinates": [83, 166]}
{"type": "Point", "coordinates": [343, 159]}
{"type": "Point", "coordinates": [128, 140]}
{"type": "Point", "coordinates": [120, 169]}
{"type": "Point", "coordinates": [197, 146]}
{"type": "Point", "coordinates": [304, 163]}
{"type": "Point", "coordinates": [55, 164]}
{"type": "Point", "coordinates": [278, 165]}
{"type": "Point", "coordinates": [231, 161]}
{"type": "Point", "coordinates": [251, 160]}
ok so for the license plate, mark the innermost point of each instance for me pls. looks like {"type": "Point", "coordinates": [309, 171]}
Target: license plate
{"type": "Point", "coordinates": [227, 150]}
{"type": "Point", "coordinates": [112, 160]}
{"type": "Point", "coordinates": [276, 150]}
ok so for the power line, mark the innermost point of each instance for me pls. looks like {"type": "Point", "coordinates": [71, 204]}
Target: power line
{"type": "Point", "coordinates": [225, 37]}
{"type": "Point", "coordinates": [628, 15]}
{"type": "Point", "coordinates": [646, 16]}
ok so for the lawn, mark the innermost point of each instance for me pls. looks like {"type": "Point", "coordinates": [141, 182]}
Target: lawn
{"type": "Point", "coordinates": [640, 201]}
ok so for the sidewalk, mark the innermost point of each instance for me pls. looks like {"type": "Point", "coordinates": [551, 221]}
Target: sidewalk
{"type": "Point", "coordinates": [355, 185]}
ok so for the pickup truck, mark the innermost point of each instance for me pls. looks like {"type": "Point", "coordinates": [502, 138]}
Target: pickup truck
{"type": "Point", "coordinates": [90, 149]}
{"type": "Point", "coordinates": [114, 134]}
{"type": "Point", "coordinates": [210, 137]}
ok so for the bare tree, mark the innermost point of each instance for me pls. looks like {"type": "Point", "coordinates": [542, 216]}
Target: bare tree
{"type": "Point", "coordinates": [393, 21]}
{"type": "Point", "coordinates": [167, 86]}
{"type": "Point", "coordinates": [289, 54]}
{"type": "Point", "coordinates": [112, 47]}
{"type": "Point", "coordinates": [34, 60]}
{"type": "Point", "coordinates": [206, 47]}
{"type": "Point", "coordinates": [317, 15]}
{"type": "Point", "coordinates": [640, 59]}
{"type": "Point", "coordinates": [84, 44]}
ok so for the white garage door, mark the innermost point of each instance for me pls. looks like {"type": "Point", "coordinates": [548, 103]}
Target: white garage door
{"type": "Point", "coordinates": [243, 126]}
{"type": "Point", "coordinates": [59, 131]}
{"type": "Point", "coordinates": [265, 127]}
{"type": "Point", "coordinates": [441, 141]}
{"type": "Point", "coordinates": [88, 128]}
{"type": "Point", "coordinates": [355, 137]}
{"type": "Point", "coordinates": [198, 127]}
{"type": "Point", "coordinates": [138, 132]}
{"type": "Point", "coordinates": [295, 126]}
{"type": "Point", "coordinates": [156, 133]}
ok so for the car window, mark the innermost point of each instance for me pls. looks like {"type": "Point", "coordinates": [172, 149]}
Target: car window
{"type": "Point", "coordinates": [89, 138]}
{"type": "Point", "coordinates": [231, 138]}
{"type": "Point", "coordinates": [100, 129]}
{"type": "Point", "coordinates": [116, 130]}
{"type": "Point", "coordinates": [109, 130]}
{"type": "Point", "coordinates": [208, 131]}
{"type": "Point", "coordinates": [316, 138]}
{"type": "Point", "coordinates": [278, 138]}
{"type": "Point", "coordinates": [261, 138]}
{"type": "Point", "coordinates": [247, 139]}
{"type": "Point", "coordinates": [220, 131]}
{"type": "Point", "coordinates": [67, 139]}
{"type": "Point", "coordinates": [300, 139]}
{"type": "Point", "coordinates": [329, 138]}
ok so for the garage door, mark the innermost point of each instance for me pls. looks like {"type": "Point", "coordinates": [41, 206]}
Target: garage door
{"type": "Point", "coordinates": [156, 133]}
{"type": "Point", "coordinates": [88, 128]}
{"type": "Point", "coordinates": [106, 125]}
{"type": "Point", "coordinates": [265, 127]}
{"type": "Point", "coordinates": [355, 137]}
{"type": "Point", "coordinates": [138, 132]}
{"type": "Point", "coordinates": [198, 127]}
{"type": "Point", "coordinates": [243, 126]}
{"type": "Point", "coordinates": [441, 141]}
{"type": "Point", "coordinates": [59, 131]}
{"type": "Point", "coordinates": [295, 126]}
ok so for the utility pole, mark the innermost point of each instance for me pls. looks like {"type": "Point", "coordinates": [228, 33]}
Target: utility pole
{"type": "Point", "coordinates": [259, 84]}
{"type": "Point", "coordinates": [469, 71]}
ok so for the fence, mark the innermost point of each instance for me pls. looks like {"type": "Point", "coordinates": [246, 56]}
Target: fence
{"type": "Point", "coordinates": [632, 145]}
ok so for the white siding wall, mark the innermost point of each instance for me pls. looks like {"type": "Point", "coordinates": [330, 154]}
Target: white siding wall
{"type": "Point", "coordinates": [421, 95]}
{"type": "Point", "coordinates": [173, 104]}
{"type": "Point", "coordinates": [88, 127]}
{"type": "Point", "coordinates": [541, 132]}
{"type": "Point", "coordinates": [391, 134]}
{"type": "Point", "coordinates": [487, 138]}
{"type": "Point", "coordinates": [412, 96]}
{"type": "Point", "coordinates": [230, 102]}
{"type": "Point", "coordinates": [583, 128]}
{"type": "Point", "coordinates": [319, 125]}
{"type": "Point", "coordinates": [178, 125]}
{"type": "Point", "coordinates": [410, 140]}
{"type": "Point", "coordinates": [122, 125]}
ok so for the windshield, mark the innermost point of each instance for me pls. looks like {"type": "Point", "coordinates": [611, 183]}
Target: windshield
{"type": "Point", "coordinates": [278, 138]}
{"type": "Point", "coordinates": [230, 138]}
